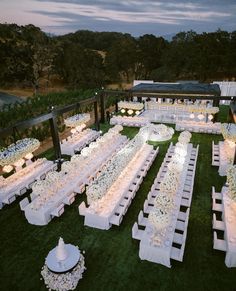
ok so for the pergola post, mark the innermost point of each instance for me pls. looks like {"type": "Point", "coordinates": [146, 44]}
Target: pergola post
{"type": "Point", "coordinates": [55, 136]}
{"type": "Point", "coordinates": [97, 125]}
{"type": "Point", "coordinates": [102, 106]}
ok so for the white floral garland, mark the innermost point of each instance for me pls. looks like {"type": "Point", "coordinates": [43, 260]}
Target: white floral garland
{"type": "Point", "coordinates": [65, 281]}
{"type": "Point", "coordinates": [77, 120]}
{"type": "Point", "coordinates": [17, 151]}
{"type": "Point", "coordinates": [159, 218]}
{"type": "Point", "coordinates": [231, 181]}
{"type": "Point", "coordinates": [130, 105]}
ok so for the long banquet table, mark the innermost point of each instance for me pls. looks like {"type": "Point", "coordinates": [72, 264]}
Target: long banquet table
{"type": "Point", "coordinates": [103, 214]}
{"type": "Point", "coordinates": [161, 252]}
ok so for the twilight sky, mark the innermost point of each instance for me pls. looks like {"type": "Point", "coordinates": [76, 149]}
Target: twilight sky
{"type": "Point", "coordinates": [137, 17]}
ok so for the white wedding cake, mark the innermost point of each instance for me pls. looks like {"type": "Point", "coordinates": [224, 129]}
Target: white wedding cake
{"type": "Point", "coordinates": [61, 253]}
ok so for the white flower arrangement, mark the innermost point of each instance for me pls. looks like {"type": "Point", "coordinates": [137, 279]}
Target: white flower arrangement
{"type": "Point", "coordinates": [231, 181]}
{"type": "Point", "coordinates": [170, 183]}
{"type": "Point", "coordinates": [164, 201]}
{"type": "Point", "coordinates": [184, 137]}
{"type": "Point", "coordinates": [229, 131]}
{"type": "Point", "coordinates": [77, 120]}
{"type": "Point", "coordinates": [160, 132]}
{"type": "Point", "coordinates": [159, 218]}
{"type": "Point", "coordinates": [17, 151]}
{"type": "Point", "coordinates": [175, 166]}
{"type": "Point", "coordinates": [130, 105]}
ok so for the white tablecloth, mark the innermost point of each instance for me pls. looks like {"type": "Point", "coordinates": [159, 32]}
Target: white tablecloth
{"type": "Point", "coordinates": [229, 217]}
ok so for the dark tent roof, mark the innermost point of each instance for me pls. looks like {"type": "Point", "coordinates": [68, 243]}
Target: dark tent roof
{"type": "Point", "coordinates": [178, 88]}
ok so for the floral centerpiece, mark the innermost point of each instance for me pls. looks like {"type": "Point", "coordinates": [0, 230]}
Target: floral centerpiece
{"type": "Point", "coordinates": [130, 105]}
{"type": "Point", "coordinates": [229, 131]}
{"type": "Point", "coordinates": [77, 120]}
{"type": "Point", "coordinates": [18, 150]}
{"type": "Point", "coordinates": [231, 181]}
{"type": "Point", "coordinates": [159, 218]}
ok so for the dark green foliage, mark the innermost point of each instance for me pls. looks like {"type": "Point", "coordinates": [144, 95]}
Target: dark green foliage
{"type": "Point", "coordinates": [87, 59]}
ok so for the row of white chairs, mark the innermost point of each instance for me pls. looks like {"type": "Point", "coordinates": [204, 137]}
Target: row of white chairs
{"type": "Point", "coordinates": [217, 225]}
{"type": "Point", "coordinates": [215, 154]}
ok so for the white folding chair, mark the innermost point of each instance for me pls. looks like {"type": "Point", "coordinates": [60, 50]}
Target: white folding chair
{"type": "Point", "coordinates": [82, 209]}
{"type": "Point", "coordinates": [116, 219]}
{"type": "Point", "coordinates": [177, 254]}
{"type": "Point", "coordinates": [136, 232]}
{"type": "Point", "coordinates": [219, 244]}
{"type": "Point", "coordinates": [58, 211]}
{"type": "Point", "coordinates": [24, 203]}
{"type": "Point", "coordinates": [141, 219]}
{"type": "Point", "coordinates": [216, 195]}
{"type": "Point", "coordinates": [216, 206]}
{"type": "Point", "coordinates": [146, 207]}
{"type": "Point", "coordinates": [218, 224]}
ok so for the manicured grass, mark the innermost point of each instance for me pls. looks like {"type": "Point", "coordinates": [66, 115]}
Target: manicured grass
{"type": "Point", "coordinates": [111, 256]}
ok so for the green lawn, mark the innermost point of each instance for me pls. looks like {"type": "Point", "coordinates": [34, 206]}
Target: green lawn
{"type": "Point", "coordinates": [111, 256]}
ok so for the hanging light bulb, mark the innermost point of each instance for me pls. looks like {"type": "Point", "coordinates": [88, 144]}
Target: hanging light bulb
{"type": "Point", "coordinates": [191, 115]}
{"type": "Point", "coordinates": [130, 111]}
{"type": "Point", "coordinates": [29, 156]}
{"type": "Point", "coordinates": [200, 116]}
{"type": "Point", "coordinates": [122, 111]}
{"type": "Point", "coordinates": [7, 169]}
{"type": "Point", "coordinates": [137, 112]}
{"type": "Point", "coordinates": [210, 117]}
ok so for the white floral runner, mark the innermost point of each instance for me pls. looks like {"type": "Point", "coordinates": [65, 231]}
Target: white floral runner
{"type": "Point", "coordinates": [113, 206]}
{"type": "Point", "coordinates": [19, 182]}
{"type": "Point", "coordinates": [157, 247]}
{"type": "Point", "coordinates": [226, 154]}
{"type": "Point", "coordinates": [78, 141]}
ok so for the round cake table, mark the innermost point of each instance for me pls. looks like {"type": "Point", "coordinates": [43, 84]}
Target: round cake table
{"type": "Point", "coordinates": [66, 265]}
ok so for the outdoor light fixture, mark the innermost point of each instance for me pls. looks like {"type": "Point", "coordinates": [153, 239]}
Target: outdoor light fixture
{"type": "Point", "coordinates": [19, 163]}
{"type": "Point", "coordinates": [29, 156]}
{"type": "Point", "coordinates": [7, 169]}
{"type": "Point", "coordinates": [210, 117]}
{"type": "Point", "coordinates": [200, 116]}
{"type": "Point", "coordinates": [191, 115]}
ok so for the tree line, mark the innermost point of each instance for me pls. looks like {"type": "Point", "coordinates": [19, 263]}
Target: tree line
{"type": "Point", "coordinates": [87, 59]}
